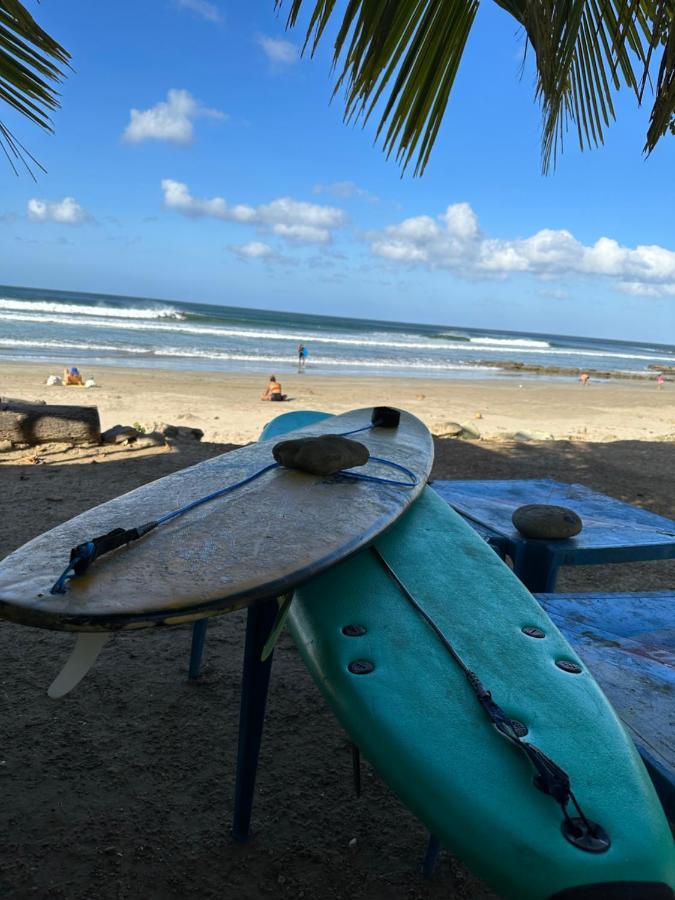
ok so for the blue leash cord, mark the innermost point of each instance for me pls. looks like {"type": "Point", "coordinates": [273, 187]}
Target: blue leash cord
{"type": "Point", "coordinates": [82, 556]}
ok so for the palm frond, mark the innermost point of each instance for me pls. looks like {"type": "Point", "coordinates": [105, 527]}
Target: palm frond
{"type": "Point", "coordinates": [663, 112]}
{"type": "Point", "coordinates": [30, 62]}
{"type": "Point", "coordinates": [413, 48]}
{"type": "Point", "coordinates": [585, 50]}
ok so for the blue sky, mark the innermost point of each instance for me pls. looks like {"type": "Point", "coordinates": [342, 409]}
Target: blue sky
{"type": "Point", "coordinates": [235, 181]}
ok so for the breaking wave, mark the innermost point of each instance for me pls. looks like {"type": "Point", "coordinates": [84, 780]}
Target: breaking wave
{"type": "Point", "coordinates": [44, 306]}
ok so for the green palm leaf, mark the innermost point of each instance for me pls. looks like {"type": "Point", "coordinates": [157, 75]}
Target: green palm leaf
{"type": "Point", "coordinates": [406, 53]}
{"type": "Point", "coordinates": [30, 63]}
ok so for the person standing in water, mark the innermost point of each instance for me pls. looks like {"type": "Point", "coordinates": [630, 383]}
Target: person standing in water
{"type": "Point", "coordinates": [302, 354]}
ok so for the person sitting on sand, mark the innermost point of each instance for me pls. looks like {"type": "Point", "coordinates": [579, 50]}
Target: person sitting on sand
{"type": "Point", "coordinates": [273, 391]}
{"type": "Point", "coordinates": [72, 376]}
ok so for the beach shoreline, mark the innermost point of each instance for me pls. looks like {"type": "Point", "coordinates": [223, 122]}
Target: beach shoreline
{"type": "Point", "coordinates": [130, 780]}
{"type": "Point", "coordinates": [227, 408]}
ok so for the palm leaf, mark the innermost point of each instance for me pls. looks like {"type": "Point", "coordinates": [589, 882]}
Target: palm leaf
{"type": "Point", "coordinates": [30, 62]}
{"type": "Point", "coordinates": [406, 53]}
{"type": "Point", "coordinates": [413, 48]}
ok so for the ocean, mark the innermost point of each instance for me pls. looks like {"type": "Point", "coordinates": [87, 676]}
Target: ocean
{"type": "Point", "coordinates": [66, 328]}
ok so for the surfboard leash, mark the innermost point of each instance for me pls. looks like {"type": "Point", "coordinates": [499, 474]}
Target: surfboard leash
{"type": "Point", "coordinates": [83, 555]}
{"type": "Point", "coordinates": [550, 778]}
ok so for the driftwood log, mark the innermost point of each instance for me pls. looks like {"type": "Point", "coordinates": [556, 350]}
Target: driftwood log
{"type": "Point", "coordinates": [39, 423]}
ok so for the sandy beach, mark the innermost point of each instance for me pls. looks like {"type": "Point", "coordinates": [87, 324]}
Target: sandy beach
{"type": "Point", "coordinates": [124, 789]}
{"type": "Point", "coordinates": [227, 407]}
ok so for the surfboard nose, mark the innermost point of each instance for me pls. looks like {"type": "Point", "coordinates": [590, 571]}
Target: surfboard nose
{"type": "Point", "coordinates": [617, 890]}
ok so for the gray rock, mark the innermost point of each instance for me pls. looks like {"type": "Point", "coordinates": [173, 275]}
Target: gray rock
{"type": "Point", "coordinates": [543, 522]}
{"type": "Point", "coordinates": [469, 431]}
{"type": "Point", "coordinates": [153, 439]}
{"type": "Point", "coordinates": [323, 455]}
{"type": "Point", "coordinates": [450, 429]}
{"type": "Point", "coordinates": [182, 432]}
{"type": "Point", "coordinates": [118, 434]}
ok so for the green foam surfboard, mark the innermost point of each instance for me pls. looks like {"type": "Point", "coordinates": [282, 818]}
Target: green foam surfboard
{"type": "Point", "coordinates": [414, 716]}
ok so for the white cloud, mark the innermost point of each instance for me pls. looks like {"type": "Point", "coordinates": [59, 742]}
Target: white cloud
{"type": "Point", "coordinates": [203, 8]}
{"type": "Point", "coordinates": [454, 241]}
{"type": "Point", "coordinates": [254, 250]}
{"type": "Point", "coordinates": [66, 211]}
{"type": "Point", "coordinates": [346, 190]}
{"type": "Point", "coordinates": [170, 120]}
{"type": "Point", "coordinates": [291, 219]}
{"type": "Point", "coordinates": [278, 51]}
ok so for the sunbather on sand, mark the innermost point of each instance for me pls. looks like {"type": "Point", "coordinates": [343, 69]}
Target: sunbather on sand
{"type": "Point", "coordinates": [72, 376]}
{"type": "Point", "coordinates": [273, 391]}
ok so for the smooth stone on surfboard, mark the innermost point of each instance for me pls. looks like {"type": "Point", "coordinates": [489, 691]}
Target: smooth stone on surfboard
{"type": "Point", "coordinates": [324, 455]}
{"type": "Point", "coordinates": [82, 658]}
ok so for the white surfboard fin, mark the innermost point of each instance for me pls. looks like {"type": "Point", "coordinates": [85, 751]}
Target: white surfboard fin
{"type": "Point", "coordinates": [82, 658]}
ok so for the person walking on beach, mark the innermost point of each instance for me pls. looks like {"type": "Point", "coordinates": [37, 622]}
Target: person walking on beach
{"type": "Point", "coordinates": [584, 378]}
{"type": "Point", "coordinates": [660, 381]}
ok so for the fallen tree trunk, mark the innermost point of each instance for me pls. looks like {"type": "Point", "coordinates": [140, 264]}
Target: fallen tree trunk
{"type": "Point", "coordinates": [34, 423]}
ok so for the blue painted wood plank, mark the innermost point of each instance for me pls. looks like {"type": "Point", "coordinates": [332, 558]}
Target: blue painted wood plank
{"type": "Point", "coordinates": [613, 530]}
{"type": "Point", "coordinates": [628, 643]}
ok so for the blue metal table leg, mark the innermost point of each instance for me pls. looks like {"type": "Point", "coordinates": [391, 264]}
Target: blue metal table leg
{"type": "Point", "coordinates": [431, 856]}
{"type": "Point", "coordinates": [255, 682]}
{"type": "Point", "coordinates": [536, 567]}
{"type": "Point", "coordinates": [197, 649]}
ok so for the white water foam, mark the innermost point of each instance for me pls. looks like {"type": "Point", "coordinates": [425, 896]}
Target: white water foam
{"type": "Point", "coordinates": [508, 342]}
{"type": "Point", "coordinates": [44, 306]}
{"type": "Point", "coordinates": [233, 357]}
{"type": "Point", "coordinates": [435, 346]}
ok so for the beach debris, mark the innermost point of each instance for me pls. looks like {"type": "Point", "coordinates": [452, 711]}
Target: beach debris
{"type": "Point", "coordinates": [324, 455]}
{"type": "Point", "coordinates": [455, 430]}
{"type": "Point", "coordinates": [420, 397]}
{"type": "Point", "coordinates": [152, 439]}
{"type": "Point", "coordinates": [544, 522]}
{"type": "Point", "coordinates": [90, 383]}
{"type": "Point", "coordinates": [16, 402]}
{"type": "Point", "coordinates": [450, 429]}
{"type": "Point", "coordinates": [478, 415]}
{"type": "Point", "coordinates": [119, 434]}
{"type": "Point", "coordinates": [54, 380]}
{"type": "Point", "coordinates": [182, 432]}
{"type": "Point", "coordinates": [39, 423]}
{"type": "Point", "coordinates": [353, 844]}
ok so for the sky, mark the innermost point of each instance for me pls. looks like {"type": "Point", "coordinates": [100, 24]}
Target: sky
{"type": "Point", "coordinates": [198, 157]}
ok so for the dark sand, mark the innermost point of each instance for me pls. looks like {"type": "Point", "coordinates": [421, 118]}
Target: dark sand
{"type": "Point", "coordinates": [124, 788]}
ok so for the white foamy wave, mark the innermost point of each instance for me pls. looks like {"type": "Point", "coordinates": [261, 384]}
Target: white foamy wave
{"type": "Point", "coordinates": [45, 306]}
{"type": "Point", "coordinates": [508, 342]}
{"type": "Point", "coordinates": [205, 330]}
{"type": "Point", "coordinates": [502, 348]}
{"type": "Point", "coordinates": [65, 345]}
{"type": "Point", "coordinates": [175, 352]}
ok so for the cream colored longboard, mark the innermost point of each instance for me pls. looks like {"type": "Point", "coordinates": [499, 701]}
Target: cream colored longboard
{"type": "Point", "coordinates": [261, 541]}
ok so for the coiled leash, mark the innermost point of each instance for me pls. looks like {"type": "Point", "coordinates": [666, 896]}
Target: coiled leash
{"type": "Point", "coordinates": [86, 553]}
{"type": "Point", "coordinates": [550, 778]}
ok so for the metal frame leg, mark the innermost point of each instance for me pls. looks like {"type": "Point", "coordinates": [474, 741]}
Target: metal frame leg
{"type": "Point", "coordinates": [199, 630]}
{"type": "Point", "coordinates": [254, 686]}
{"type": "Point", "coordinates": [431, 856]}
{"type": "Point", "coordinates": [536, 566]}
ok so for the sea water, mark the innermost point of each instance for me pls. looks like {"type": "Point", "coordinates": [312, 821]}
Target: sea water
{"type": "Point", "coordinates": [67, 328]}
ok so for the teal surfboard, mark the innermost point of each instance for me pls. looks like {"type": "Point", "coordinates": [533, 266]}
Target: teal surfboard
{"type": "Point", "coordinates": [407, 705]}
